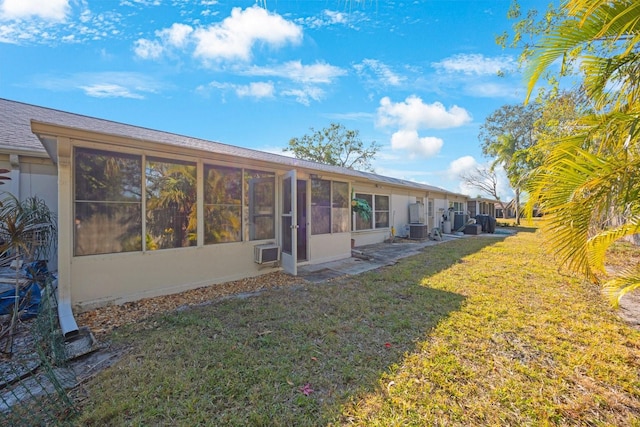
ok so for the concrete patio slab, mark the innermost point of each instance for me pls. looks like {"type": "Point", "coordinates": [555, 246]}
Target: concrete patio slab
{"type": "Point", "coordinates": [370, 257]}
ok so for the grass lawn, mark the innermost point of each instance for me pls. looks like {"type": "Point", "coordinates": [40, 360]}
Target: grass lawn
{"type": "Point", "coordinates": [476, 331]}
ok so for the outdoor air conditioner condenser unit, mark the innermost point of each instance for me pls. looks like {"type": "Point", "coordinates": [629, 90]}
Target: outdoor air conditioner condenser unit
{"type": "Point", "coordinates": [266, 253]}
{"type": "Point", "coordinates": [418, 231]}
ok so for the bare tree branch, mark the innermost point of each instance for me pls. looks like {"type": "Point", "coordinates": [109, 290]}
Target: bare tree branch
{"type": "Point", "coordinates": [486, 181]}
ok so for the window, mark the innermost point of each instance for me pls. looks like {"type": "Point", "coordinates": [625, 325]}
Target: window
{"type": "Point", "coordinates": [329, 206]}
{"type": "Point", "coordinates": [108, 202]}
{"type": "Point", "coordinates": [457, 206]}
{"type": "Point", "coordinates": [380, 212]}
{"type": "Point", "coordinates": [381, 209]}
{"type": "Point", "coordinates": [364, 224]}
{"type": "Point", "coordinates": [170, 204]}
{"type": "Point", "coordinates": [430, 208]}
{"type": "Point", "coordinates": [340, 207]}
{"type": "Point", "coordinates": [320, 206]}
{"type": "Point", "coordinates": [222, 204]}
{"type": "Point", "coordinates": [259, 204]}
{"type": "Point", "coordinates": [109, 205]}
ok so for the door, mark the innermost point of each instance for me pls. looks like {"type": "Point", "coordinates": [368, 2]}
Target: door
{"type": "Point", "coordinates": [302, 220]}
{"type": "Point", "coordinates": [289, 223]}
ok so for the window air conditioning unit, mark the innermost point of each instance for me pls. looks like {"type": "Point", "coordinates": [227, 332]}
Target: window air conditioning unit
{"type": "Point", "coordinates": [418, 231]}
{"type": "Point", "coordinates": [266, 253]}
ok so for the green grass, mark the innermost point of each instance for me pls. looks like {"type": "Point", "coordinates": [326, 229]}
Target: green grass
{"type": "Point", "coordinates": [477, 331]}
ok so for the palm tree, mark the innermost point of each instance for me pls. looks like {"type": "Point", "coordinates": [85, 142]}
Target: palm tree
{"type": "Point", "coordinates": [588, 185]}
{"type": "Point", "coordinates": [171, 204]}
{"type": "Point", "coordinates": [507, 136]}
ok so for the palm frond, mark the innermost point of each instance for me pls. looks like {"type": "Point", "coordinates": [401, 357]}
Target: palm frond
{"type": "Point", "coordinates": [579, 191]}
{"type": "Point", "coordinates": [590, 26]}
{"type": "Point", "coordinates": [625, 281]}
{"type": "Point", "coordinates": [597, 246]}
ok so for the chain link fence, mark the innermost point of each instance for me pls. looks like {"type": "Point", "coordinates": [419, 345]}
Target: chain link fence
{"type": "Point", "coordinates": [34, 374]}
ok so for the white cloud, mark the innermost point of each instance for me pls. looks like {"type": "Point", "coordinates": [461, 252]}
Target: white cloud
{"type": "Point", "coordinates": [330, 17]}
{"type": "Point", "coordinates": [335, 17]}
{"type": "Point", "coordinates": [462, 165]}
{"type": "Point", "coordinates": [140, 2]}
{"type": "Point", "coordinates": [294, 70]}
{"type": "Point", "coordinates": [378, 72]}
{"type": "Point", "coordinates": [409, 140]}
{"type": "Point", "coordinates": [148, 49]}
{"type": "Point", "coordinates": [55, 21]}
{"type": "Point", "coordinates": [476, 64]}
{"type": "Point", "coordinates": [413, 114]}
{"type": "Point", "coordinates": [232, 39]}
{"type": "Point", "coordinates": [256, 90]}
{"type": "Point", "coordinates": [102, 85]}
{"type": "Point", "coordinates": [494, 90]}
{"type": "Point", "coordinates": [235, 37]}
{"type": "Point", "coordinates": [305, 95]}
{"type": "Point", "coordinates": [177, 35]}
{"type": "Point", "coordinates": [110, 90]}
{"type": "Point", "coordinates": [49, 10]}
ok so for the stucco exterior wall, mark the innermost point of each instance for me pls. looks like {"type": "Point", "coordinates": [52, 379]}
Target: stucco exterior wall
{"type": "Point", "coordinates": [329, 247]}
{"type": "Point", "coordinates": [101, 280]}
{"type": "Point", "coordinates": [98, 280]}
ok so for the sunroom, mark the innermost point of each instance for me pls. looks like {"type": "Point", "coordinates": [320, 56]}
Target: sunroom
{"type": "Point", "coordinates": [139, 218]}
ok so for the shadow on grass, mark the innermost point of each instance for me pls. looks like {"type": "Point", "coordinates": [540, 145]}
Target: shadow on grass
{"type": "Point", "coordinates": [282, 357]}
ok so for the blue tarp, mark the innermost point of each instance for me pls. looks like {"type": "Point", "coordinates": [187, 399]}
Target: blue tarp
{"type": "Point", "coordinates": [29, 296]}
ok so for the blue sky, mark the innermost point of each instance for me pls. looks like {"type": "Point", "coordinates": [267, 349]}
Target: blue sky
{"type": "Point", "coordinates": [418, 77]}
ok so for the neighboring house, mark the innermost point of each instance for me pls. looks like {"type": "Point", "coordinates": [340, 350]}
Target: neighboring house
{"type": "Point", "coordinates": [510, 210]}
{"type": "Point", "coordinates": [482, 206]}
{"type": "Point", "coordinates": [143, 213]}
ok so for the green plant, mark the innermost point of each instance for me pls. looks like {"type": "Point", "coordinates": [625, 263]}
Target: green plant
{"type": "Point", "coordinates": [588, 185]}
{"type": "Point", "coordinates": [362, 208]}
{"type": "Point", "coordinates": [28, 232]}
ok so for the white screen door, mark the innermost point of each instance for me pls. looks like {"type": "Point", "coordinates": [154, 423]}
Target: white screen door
{"type": "Point", "coordinates": [289, 224]}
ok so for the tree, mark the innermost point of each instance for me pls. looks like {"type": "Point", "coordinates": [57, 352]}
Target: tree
{"type": "Point", "coordinates": [506, 136]}
{"type": "Point", "coordinates": [588, 183]}
{"type": "Point", "coordinates": [334, 145]}
{"type": "Point", "coordinates": [486, 181]}
{"type": "Point", "coordinates": [171, 204]}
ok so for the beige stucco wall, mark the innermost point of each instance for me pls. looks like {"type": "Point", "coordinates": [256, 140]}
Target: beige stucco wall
{"type": "Point", "coordinates": [329, 247]}
{"type": "Point", "coordinates": [100, 280]}
{"type": "Point", "coordinates": [400, 199]}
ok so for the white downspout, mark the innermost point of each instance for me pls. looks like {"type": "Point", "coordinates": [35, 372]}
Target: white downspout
{"type": "Point", "coordinates": [68, 323]}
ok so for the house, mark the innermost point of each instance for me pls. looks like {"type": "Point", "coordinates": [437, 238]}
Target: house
{"type": "Point", "coordinates": [481, 206]}
{"type": "Point", "coordinates": [510, 209]}
{"type": "Point", "coordinates": [143, 213]}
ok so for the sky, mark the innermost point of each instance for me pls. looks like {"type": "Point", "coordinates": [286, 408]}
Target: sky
{"type": "Point", "coordinates": [417, 77]}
